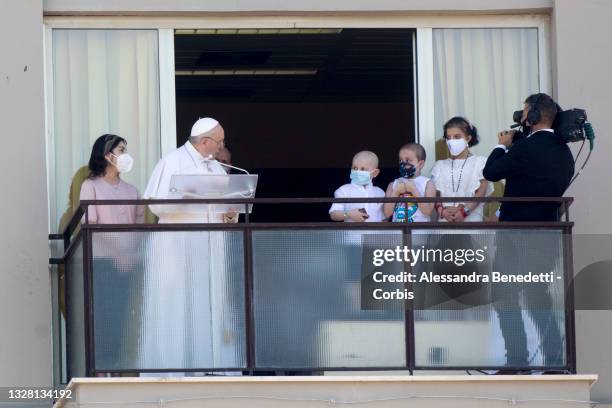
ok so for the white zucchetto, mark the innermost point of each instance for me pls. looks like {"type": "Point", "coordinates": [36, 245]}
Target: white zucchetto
{"type": "Point", "coordinates": [203, 125]}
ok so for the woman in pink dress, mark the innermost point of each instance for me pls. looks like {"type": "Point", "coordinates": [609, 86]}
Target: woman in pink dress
{"type": "Point", "coordinates": [116, 276]}
{"type": "Point", "coordinates": [109, 159]}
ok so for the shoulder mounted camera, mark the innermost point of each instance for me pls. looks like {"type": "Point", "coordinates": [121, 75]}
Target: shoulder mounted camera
{"type": "Point", "coordinates": [570, 125]}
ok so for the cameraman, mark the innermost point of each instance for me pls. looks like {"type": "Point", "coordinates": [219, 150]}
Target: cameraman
{"type": "Point", "coordinates": [538, 164]}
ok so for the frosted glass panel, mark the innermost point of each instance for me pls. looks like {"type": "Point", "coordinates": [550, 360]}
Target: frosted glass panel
{"type": "Point", "coordinates": [307, 303]}
{"type": "Point", "coordinates": [175, 300]}
{"type": "Point", "coordinates": [522, 325]}
{"type": "Point", "coordinates": [169, 300]}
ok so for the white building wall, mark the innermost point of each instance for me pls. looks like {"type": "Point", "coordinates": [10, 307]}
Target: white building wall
{"type": "Point", "coordinates": [25, 289]}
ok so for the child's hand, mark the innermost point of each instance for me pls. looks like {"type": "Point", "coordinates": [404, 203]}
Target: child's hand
{"type": "Point", "coordinates": [411, 188]}
{"type": "Point", "coordinates": [405, 187]}
{"type": "Point", "coordinates": [458, 217]}
{"type": "Point", "coordinates": [399, 190]}
{"type": "Point", "coordinates": [448, 213]}
{"type": "Point", "coordinates": [230, 217]}
{"type": "Point", "coordinates": [357, 215]}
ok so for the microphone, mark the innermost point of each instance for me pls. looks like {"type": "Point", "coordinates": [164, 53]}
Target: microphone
{"type": "Point", "coordinates": [245, 194]}
{"type": "Point", "coordinates": [211, 158]}
{"type": "Point", "coordinates": [233, 167]}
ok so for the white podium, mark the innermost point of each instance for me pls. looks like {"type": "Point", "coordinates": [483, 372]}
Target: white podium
{"type": "Point", "coordinates": [204, 186]}
{"type": "Point", "coordinates": [213, 186]}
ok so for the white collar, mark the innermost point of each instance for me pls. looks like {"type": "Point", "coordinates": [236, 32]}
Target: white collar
{"type": "Point", "coordinates": [195, 155]}
{"type": "Point", "coordinates": [366, 187]}
{"type": "Point", "coordinates": [542, 130]}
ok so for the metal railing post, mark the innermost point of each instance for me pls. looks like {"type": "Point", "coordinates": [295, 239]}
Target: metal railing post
{"type": "Point", "coordinates": [248, 293]}
{"type": "Point", "coordinates": [409, 331]}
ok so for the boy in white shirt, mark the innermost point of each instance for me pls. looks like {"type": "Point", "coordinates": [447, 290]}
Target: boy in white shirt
{"type": "Point", "coordinates": [363, 170]}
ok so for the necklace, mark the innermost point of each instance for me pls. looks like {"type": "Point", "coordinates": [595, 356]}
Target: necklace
{"type": "Point", "coordinates": [460, 174]}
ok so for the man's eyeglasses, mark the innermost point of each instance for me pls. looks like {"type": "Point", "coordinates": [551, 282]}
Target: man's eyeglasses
{"type": "Point", "coordinates": [221, 142]}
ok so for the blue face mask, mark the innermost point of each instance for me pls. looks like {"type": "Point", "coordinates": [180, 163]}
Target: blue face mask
{"type": "Point", "coordinates": [407, 170]}
{"type": "Point", "coordinates": [361, 177]}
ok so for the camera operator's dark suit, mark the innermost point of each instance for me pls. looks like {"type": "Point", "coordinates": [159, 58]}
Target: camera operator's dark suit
{"type": "Point", "coordinates": [539, 166]}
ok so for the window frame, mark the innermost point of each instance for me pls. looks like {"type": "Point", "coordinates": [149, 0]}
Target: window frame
{"type": "Point", "coordinates": [165, 25]}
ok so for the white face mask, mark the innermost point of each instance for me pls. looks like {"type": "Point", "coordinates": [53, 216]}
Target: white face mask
{"type": "Point", "coordinates": [456, 146]}
{"type": "Point", "coordinates": [123, 163]}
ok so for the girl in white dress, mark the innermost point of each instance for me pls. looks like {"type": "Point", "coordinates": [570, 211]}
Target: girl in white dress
{"type": "Point", "coordinates": [461, 174]}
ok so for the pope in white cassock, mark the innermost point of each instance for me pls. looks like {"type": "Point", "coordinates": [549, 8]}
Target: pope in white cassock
{"type": "Point", "coordinates": [193, 158]}
{"type": "Point", "coordinates": [187, 302]}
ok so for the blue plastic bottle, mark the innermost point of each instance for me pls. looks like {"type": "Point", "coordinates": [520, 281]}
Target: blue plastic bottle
{"type": "Point", "coordinates": [399, 212]}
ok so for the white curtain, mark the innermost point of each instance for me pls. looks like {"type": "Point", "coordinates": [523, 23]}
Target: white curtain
{"type": "Point", "coordinates": [484, 75]}
{"type": "Point", "coordinates": [104, 81]}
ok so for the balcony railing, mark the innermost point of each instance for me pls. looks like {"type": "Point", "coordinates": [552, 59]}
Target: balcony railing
{"type": "Point", "coordinates": [252, 296]}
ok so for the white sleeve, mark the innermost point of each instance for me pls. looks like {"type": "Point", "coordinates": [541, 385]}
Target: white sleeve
{"type": "Point", "coordinates": [159, 185]}
{"type": "Point", "coordinates": [480, 164]}
{"type": "Point", "coordinates": [153, 186]}
{"type": "Point", "coordinates": [435, 171]}
{"type": "Point", "coordinates": [437, 176]}
{"type": "Point", "coordinates": [339, 193]}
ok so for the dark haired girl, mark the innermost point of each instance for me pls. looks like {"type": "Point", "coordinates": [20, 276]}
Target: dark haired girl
{"type": "Point", "coordinates": [461, 174]}
{"type": "Point", "coordinates": [109, 159]}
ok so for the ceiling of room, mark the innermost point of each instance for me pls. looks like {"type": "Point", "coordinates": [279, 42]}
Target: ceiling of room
{"type": "Point", "coordinates": [348, 65]}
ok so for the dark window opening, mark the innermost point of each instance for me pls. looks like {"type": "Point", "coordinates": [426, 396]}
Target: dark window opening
{"type": "Point", "coordinates": [296, 107]}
